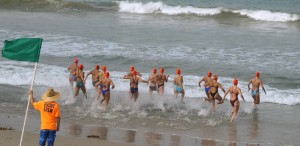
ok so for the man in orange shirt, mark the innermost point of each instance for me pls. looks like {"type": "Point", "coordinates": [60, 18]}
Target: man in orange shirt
{"type": "Point", "coordinates": [50, 115]}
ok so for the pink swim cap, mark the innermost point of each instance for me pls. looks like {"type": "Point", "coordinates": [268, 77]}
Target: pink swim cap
{"type": "Point", "coordinates": [75, 60]}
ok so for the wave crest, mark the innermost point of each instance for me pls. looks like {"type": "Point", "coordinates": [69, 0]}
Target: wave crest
{"type": "Point", "coordinates": [161, 8]}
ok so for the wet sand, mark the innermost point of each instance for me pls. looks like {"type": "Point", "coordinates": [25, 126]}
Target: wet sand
{"type": "Point", "coordinates": [12, 138]}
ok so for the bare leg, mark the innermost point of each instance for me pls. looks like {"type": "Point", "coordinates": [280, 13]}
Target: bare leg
{"type": "Point", "coordinates": [76, 91]}
{"type": "Point", "coordinates": [107, 97]}
{"type": "Point", "coordinates": [136, 95]}
{"type": "Point", "coordinates": [175, 93]}
{"type": "Point", "coordinates": [213, 108]}
{"type": "Point", "coordinates": [182, 95]}
{"type": "Point", "coordinates": [71, 85]}
{"type": "Point", "coordinates": [233, 117]}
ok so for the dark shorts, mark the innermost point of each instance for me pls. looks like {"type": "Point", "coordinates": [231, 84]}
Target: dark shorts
{"type": "Point", "coordinates": [47, 135]}
{"type": "Point", "coordinates": [134, 90]}
{"type": "Point", "coordinates": [153, 88]}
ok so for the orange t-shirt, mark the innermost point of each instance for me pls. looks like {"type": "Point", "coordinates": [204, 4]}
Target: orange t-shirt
{"type": "Point", "coordinates": [49, 112]}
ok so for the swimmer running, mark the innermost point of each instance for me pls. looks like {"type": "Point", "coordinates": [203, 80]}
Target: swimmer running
{"type": "Point", "coordinates": [256, 82]}
{"type": "Point", "coordinates": [178, 82]}
{"type": "Point", "coordinates": [234, 101]}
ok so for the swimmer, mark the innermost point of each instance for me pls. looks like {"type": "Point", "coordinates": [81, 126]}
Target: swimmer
{"type": "Point", "coordinates": [207, 80]}
{"type": "Point", "coordinates": [178, 82]}
{"type": "Point", "coordinates": [134, 81]}
{"type": "Point", "coordinates": [234, 101]}
{"type": "Point", "coordinates": [80, 83]}
{"type": "Point", "coordinates": [256, 82]}
{"type": "Point", "coordinates": [106, 82]}
{"type": "Point", "coordinates": [161, 79]}
{"type": "Point", "coordinates": [73, 69]}
{"type": "Point", "coordinates": [214, 93]}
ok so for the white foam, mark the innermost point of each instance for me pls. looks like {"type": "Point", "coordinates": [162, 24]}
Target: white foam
{"type": "Point", "coordinates": [160, 7]}
{"type": "Point", "coordinates": [266, 15]}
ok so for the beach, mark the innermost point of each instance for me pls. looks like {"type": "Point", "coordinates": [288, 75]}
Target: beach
{"type": "Point", "coordinates": [12, 138]}
{"type": "Point", "coordinates": [230, 38]}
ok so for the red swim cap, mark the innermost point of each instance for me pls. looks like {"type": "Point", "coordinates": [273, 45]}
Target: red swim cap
{"type": "Point", "coordinates": [106, 74]}
{"type": "Point", "coordinates": [80, 66]}
{"type": "Point", "coordinates": [97, 67]}
{"type": "Point", "coordinates": [257, 74]}
{"type": "Point", "coordinates": [131, 68]}
{"type": "Point", "coordinates": [161, 70]}
{"type": "Point", "coordinates": [235, 82]}
{"type": "Point", "coordinates": [104, 68]}
{"type": "Point", "coordinates": [134, 73]}
{"type": "Point", "coordinates": [215, 77]}
{"type": "Point", "coordinates": [209, 74]}
{"type": "Point", "coordinates": [154, 70]}
{"type": "Point", "coordinates": [178, 71]}
{"type": "Point", "coordinates": [75, 60]}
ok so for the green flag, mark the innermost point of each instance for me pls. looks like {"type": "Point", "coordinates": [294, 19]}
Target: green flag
{"type": "Point", "coordinates": [22, 49]}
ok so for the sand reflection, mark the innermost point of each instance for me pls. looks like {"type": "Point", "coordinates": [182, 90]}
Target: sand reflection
{"type": "Point", "coordinates": [129, 136]}
{"type": "Point", "coordinates": [153, 139]}
{"type": "Point", "coordinates": [75, 129]}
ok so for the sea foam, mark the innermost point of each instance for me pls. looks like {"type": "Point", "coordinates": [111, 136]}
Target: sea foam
{"type": "Point", "coordinates": [161, 8]}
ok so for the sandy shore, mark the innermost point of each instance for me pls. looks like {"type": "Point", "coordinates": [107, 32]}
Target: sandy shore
{"type": "Point", "coordinates": [12, 138]}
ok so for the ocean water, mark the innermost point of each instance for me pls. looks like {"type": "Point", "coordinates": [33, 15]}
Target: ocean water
{"type": "Point", "coordinates": [231, 38]}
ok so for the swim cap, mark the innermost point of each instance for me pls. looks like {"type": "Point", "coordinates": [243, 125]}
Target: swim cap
{"type": "Point", "coordinates": [131, 68]}
{"type": "Point", "coordinates": [75, 60]}
{"type": "Point", "coordinates": [257, 74]}
{"type": "Point", "coordinates": [134, 73]}
{"type": "Point", "coordinates": [161, 70]}
{"type": "Point", "coordinates": [97, 67]}
{"type": "Point", "coordinates": [178, 71]}
{"type": "Point", "coordinates": [235, 82]}
{"type": "Point", "coordinates": [80, 66]}
{"type": "Point", "coordinates": [209, 74]}
{"type": "Point", "coordinates": [215, 77]}
{"type": "Point", "coordinates": [154, 70]}
{"type": "Point", "coordinates": [106, 74]}
{"type": "Point", "coordinates": [104, 68]}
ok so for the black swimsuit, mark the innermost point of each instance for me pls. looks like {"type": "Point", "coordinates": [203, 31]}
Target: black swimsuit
{"type": "Point", "coordinates": [160, 85]}
{"type": "Point", "coordinates": [233, 101]}
{"type": "Point", "coordinates": [214, 93]}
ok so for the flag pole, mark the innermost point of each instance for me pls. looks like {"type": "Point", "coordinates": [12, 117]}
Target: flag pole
{"type": "Point", "coordinates": [31, 88]}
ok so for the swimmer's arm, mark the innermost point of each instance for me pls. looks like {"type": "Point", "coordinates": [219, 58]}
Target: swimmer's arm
{"type": "Point", "coordinates": [152, 77]}
{"type": "Point", "coordinates": [225, 95]}
{"type": "Point", "coordinates": [250, 82]}
{"type": "Point", "coordinates": [166, 78]}
{"type": "Point", "coordinates": [181, 79]}
{"type": "Point", "coordinates": [222, 88]}
{"type": "Point", "coordinates": [240, 92]}
{"type": "Point", "coordinates": [113, 85]}
{"type": "Point", "coordinates": [262, 86]}
{"type": "Point", "coordinates": [88, 75]}
{"type": "Point", "coordinates": [201, 82]}
{"type": "Point", "coordinates": [139, 74]}
{"type": "Point", "coordinates": [81, 76]}
{"type": "Point", "coordinates": [98, 83]}
{"type": "Point", "coordinates": [126, 77]}
{"type": "Point", "coordinates": [143, 80]}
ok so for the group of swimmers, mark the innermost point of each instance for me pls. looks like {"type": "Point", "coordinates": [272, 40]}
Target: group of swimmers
{"type": "Point", "coordinates": [102, 84]}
